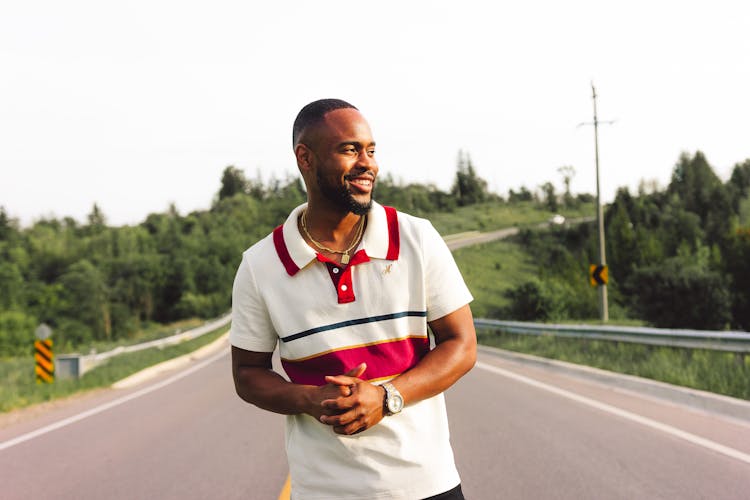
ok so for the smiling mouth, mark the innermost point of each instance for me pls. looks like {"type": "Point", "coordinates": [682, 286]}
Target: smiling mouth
{"type": "Point", "coordinates": [362, 183]}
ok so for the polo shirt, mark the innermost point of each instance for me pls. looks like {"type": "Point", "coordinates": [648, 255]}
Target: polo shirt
{"type": "Point", "coordinates": [327, 319]}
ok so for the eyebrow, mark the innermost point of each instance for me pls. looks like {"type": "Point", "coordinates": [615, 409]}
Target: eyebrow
{"type": "Point", "coordinates": [355, 143]}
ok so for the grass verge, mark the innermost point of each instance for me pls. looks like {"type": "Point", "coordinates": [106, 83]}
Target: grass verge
{"type": "Point", "coordinates": [490, 269]}
{"type": "Point", "coordinates": [713, 371]}
{"type": "Point", "coordinates": [19, 388]}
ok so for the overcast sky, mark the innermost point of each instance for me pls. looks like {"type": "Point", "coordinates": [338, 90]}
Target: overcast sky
{"type": "Point", "coordinates": [135, 105]}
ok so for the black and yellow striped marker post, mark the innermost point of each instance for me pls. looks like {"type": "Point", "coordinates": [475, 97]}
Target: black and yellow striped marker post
{"type": "Point", "coordinates": [45, 361]}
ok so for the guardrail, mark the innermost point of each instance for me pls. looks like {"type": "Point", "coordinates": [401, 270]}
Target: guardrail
{"type": "Point", "coordinates": [731, 341]}
{"type": "Point", "coordinates": [76, 365]}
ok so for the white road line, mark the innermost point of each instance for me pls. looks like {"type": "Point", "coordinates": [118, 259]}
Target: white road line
{"type": "Point", "coordinates": [106, 406]}
{"type": "Point", "coordinates": [668, 429]}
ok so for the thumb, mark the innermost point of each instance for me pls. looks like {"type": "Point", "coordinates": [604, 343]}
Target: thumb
{"type": "Point", "coordinates": [357, 371]}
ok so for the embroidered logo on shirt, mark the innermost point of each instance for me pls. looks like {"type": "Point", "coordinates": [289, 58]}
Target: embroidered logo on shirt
{"type": "Point", "coordinates": [387, 269]}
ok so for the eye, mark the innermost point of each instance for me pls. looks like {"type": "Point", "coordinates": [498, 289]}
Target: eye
{"type": "Point", "coordinates": [371, 152]}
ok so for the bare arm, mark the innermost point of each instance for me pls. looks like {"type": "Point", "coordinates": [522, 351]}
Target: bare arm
{"type": "Point", "coordinates": [257, 383]}
{"type": "Point", "coordinates": [453, 356]}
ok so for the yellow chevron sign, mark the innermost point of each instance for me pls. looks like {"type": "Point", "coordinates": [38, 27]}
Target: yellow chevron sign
{"type": "Point", "coordinates": [598, 274]}
{"type": "Point", "coordinates": [45, 361]}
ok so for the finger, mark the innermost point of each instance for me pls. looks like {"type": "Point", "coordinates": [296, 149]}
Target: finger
{"type": "Point", "coordinates": [341, 419]}
{"type": "Point", "coordinates": [341, 380]}
{"type": "Point", "coordinates": [335, 404]}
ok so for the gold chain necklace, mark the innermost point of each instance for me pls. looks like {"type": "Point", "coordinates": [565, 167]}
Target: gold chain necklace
{"type": "Point", "coordinates": [344, 253]}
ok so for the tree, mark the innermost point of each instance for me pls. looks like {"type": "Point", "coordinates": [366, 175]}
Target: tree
{"type": "Point", "coordinates": [233, 181]}
{"type": "Point", "coordinates": [682, 292]}
{"type": "Point", "coordinates": [96, 219]}
{"type": "Point", "coordinates": [468, 187]}
{"type": "Point", "coordinates": [11, 286]}
{"type": "Point", "coordinates": [567, 172]}
{"type": "Point", "coordinates": [739, 184]}
{"type": "Point", "coordinates": [622, 247]}
{"type": "Point", "coordinates": [696, 185]}
{"type": "Point", "coordinates": [550, 197]}
{"type": "Point", "coordinates": [523, 194]}
{"type": "Point", "coordinates": [86, 298]}
{"type": "Point", "coordinates": [8, 226]}
{"type": "Point", "coordinates": [16, 333]}
{"type": "Point", "coordinates": [737, 265]}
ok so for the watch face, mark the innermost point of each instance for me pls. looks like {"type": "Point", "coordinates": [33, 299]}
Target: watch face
{"type": "Point", "coordinates": [395, 404]}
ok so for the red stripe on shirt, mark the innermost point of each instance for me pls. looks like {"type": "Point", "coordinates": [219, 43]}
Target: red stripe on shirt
{"type": "Point", "coordinates": [394, 240]}
{"type": "Point", "coordinates": [283, 252]}
{"type": "Point", "coordinates": [385, 359]}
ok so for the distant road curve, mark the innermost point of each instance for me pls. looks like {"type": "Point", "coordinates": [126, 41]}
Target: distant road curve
{"type": "Point", "coordinates": [461, 240]}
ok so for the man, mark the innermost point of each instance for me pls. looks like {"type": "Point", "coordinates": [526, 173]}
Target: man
{"type": "Point", "coordinates": [347, 287]}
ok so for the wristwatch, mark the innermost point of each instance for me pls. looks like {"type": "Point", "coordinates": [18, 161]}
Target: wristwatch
{"type": "Point", "coordinates": [393, 402]}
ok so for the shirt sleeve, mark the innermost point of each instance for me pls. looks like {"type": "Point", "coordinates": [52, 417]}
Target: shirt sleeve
{"type": "Point", "coordinates": [445, 287]}
{"type": "Point", "coordinates": [251, 328]}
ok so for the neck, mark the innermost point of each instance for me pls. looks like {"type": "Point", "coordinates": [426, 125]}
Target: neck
{"type": "Point", "coordinates": [341, 252]}
{"type": "Point", "coordinates": [330, 226]}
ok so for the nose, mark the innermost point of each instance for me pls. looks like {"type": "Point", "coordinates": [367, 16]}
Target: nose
{"type": "Point", "coordinates": [367, 160]}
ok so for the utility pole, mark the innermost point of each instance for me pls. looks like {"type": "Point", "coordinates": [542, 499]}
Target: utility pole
{"type": "Point", "coordinates": [603, 306]}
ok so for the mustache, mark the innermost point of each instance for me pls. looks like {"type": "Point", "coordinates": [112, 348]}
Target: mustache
{"type": "Point", "coordinates": [362, 173]}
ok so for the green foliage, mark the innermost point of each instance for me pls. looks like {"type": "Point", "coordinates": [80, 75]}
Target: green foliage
{"type": "Point", "coordinates": [681, 292]}
{"type": "Point", "coordinates": [737, 266]}
{"type": "Point", "coordinates": [534, 300]}
{"type": "Point", "coordinates": [567, 172]}
{"type": "Point", "coordinates": [85, 298]}
{"type": "Point", "coordinates": [550, 197]}
{"type": "Point", "coordinates": [490, 270]}
{"type": "Point", "coordinates": [468, 188]}
{"type": "Point", "coordinates": [675, 259]}
{"type": "Point", "coordinates": [232, 182]}
{"type": "Point", "coordinates": [701, 192]}
{"type": "Point", "coordinates": [11, 282]}
{"type": "Point", "coordinates": [16, 333]}
{"type": "Point", "coordinates": [522, 195]}
{"type": "Point", "coordinates": [94, 283]}
{"type": "Point", "coordinates": [416, 199]}
{"type": "Point", "coordinates": [18, 387]}
{"type": "Point", "coordinates": [744, 212]}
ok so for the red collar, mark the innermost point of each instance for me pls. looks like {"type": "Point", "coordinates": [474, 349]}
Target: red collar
{"type": "Point", "coordinates": [381, 239]}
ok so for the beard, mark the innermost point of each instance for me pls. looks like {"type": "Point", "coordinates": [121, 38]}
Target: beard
{"type": "Point", "coordinates": [340, 195]}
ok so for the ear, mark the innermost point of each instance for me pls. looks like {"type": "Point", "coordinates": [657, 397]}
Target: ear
{"type": "Point", "coordinates": [304, 157]}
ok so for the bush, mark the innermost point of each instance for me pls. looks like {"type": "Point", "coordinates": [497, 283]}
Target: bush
{"type": "Point", "coordinates": [681, 294]}
{"type": "Point", "coordinates": [16, 333]}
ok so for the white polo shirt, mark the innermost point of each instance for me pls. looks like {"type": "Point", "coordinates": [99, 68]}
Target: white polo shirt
{"type": "Point", "coordinates": [328, 319]}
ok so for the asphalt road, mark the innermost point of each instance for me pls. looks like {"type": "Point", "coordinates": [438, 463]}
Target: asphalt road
{"type": "Point", "coordinates": [518, 432]}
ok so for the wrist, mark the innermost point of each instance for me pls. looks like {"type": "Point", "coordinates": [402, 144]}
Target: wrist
{"type": "Point", "coordinates": [309, 400]}
{"type": "Point", "coordinates": [393, 401]}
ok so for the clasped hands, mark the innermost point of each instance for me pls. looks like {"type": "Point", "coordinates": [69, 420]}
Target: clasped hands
{"type": "Point", "coordinates": [350, 404]}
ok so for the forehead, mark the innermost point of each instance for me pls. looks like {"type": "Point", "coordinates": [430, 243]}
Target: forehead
{"type": "Point", "coordinates": [345, 125]}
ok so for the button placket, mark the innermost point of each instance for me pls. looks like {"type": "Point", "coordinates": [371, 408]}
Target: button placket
{"type": "Point", "coordinates": [342, 277]}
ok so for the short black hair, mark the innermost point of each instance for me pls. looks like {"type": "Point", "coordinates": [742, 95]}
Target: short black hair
{"type": "Point", "coordinates": [314, 113]}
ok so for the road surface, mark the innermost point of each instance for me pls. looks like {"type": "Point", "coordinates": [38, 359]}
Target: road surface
{"type": "Point", "coordinates": [518, 432]}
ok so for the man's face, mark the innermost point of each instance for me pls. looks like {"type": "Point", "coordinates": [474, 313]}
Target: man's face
{"type": "Point", "coordinates": [346, 169]}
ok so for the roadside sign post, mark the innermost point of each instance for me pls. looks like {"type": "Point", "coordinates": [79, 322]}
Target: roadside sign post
{"type": "Point", "coordinates": [603, 306]}
{"type": "Point", "coordinates": [43, 355]}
